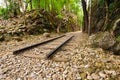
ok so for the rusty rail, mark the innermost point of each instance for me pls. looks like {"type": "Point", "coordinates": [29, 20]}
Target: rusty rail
{"type": "Point", "coordinates": [51, 54]}
{"type": "Point", "coordinates": [35, 45]}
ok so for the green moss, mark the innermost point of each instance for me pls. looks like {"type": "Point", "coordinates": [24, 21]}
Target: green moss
{"type": "Point", "coordinates": [99, 36]}
{"type": "Point", "coordinates": [118, 38]}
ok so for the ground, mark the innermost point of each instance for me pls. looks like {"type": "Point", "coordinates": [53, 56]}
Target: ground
{"type": "Point", "coordinates": [85, 63]}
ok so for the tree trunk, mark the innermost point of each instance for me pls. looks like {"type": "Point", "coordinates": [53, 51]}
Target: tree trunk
{"type": "Point", "coordinates": [31, 4]}
{"type": "Point", "coordinates": [85, 18]}
{"type": "Point", "coordinates": [106, 16]}
{"type": "Point", "coordinates": [89, 23]}
{"type": "Point", "coordinates": [6, 4]}
{"type": "Point", "coordinates": [26, 5]}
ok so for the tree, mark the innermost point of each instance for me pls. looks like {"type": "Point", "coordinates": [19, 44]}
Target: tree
{"type": "Point", "coordinates": [85, 18]}
{"type": "Point", "coordinates": [89, 18]}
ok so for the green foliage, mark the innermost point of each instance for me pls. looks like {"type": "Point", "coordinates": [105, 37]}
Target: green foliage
{"type": "Point", "coordinates": [74, 6]}
{"type": "Point", "coordinates": [118, 38]}
{"type": "Point", "coordinates": [80, 17]}
{"type": "Point", "coordinates": [60, 16]}
{"type": "Point", "coordinates": [3, 13]}
{"type": "Point", "coordinates": [101, 2]}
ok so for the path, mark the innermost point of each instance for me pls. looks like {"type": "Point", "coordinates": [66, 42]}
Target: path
{"type": "Point", "coordinates": [85, 63]}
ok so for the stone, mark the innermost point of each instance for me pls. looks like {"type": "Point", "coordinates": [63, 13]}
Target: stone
{"type": "Point", "coordinates": [87, 66]}
{"type": "Point", "coordinates": [1, 76]}
{"type": "Point", "coordinates": [65, 72]}
{"type": "Point", "coordinates": [29, 78]}
{"type": "Point", "coordinates": [32, 74]}
{"type": "Point", "coordinates": [99, 64]}
{"type": "Point", "coordinates": [116, 48]}
{"type": "Point", "coordinates": [19, 61]}
{"type": "Point", "coordinates": [17, 38]}
{"type": "Point", "coordinates": [110, 72]}
{"type": "Point", "coordinates": [1, 37]}
{"type": "Point", "coordinates": [83, 75]}
{"type": "Point", "coordinates": [19, 79]}
{"type": "Point", "coordinates": [103, 39]}
{"type": "Point", "coordinates": [106, 41]}
{"type": "Point", "coordinates": [46, 34]}
{"type": "Point", "coordinates": [95, 76]}
{"type": "Point", "coordinates": [89, 78]}
{"type": "Point", "coordinates": [54, 76]}
{"type": "Point", "coordinates": [102, 75]}
{"type": "Point", "coordinates": [2, 31]}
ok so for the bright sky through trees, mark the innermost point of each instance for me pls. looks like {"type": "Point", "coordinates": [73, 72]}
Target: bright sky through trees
{"type": "Point", "coordinates": [2, 4]}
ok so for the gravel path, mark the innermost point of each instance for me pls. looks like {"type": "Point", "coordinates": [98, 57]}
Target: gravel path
{"type": "Point", "coordinates": [85, 63]}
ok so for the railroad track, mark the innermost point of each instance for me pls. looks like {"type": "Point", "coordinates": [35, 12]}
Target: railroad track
{"type": "Point", "coordinates": [46, 49]}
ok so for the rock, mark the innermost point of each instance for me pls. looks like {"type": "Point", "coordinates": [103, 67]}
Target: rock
{"type": "Point", "coordinates": [87, 66]}
{"type": "Point", "coordinates": [110, 72]}
{"type": "Point", "coordinates": [116, 48]}
{"type": "Point", "coordinates": [99, 64]}
{"type": "Point", "coordinates": [1, 76]}
{"type": "Point", "coordinates": [19, 79]}
{"type": "Point", "coordinates": [103, 39]}
{"type": "Point", "coordinates": [89, 78]}
{"type": "Point", "coordinates": [1, 38]}
{"type": "Point", "coordinates": [65, 72]}
{"type": "Point", "coordinates": [95, 76]}
{"type": "Point", "coordinates": [54, 76]}
{"type": "Point", "coordinates": [102, 75]}
{"type": "Point", "coordinates": [46, 34]}
{"type": "Point", "coordinates": [106, 41]}
{"type": "Point", "coordinates": [83, 75]}
{"type": "Point", "coordinates": [17, 38]}
{"type": "Point", "coordinates": [105, 60]}
{"type": "Point", "coordinates": [32, 74]}
{"type": "Point", "coordinates": [2, 31]}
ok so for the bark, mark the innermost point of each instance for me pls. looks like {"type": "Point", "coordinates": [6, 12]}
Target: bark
{"type": "Point", "coordinates": [89, 23]}
{"type": "Point", "coordinates": [26, 5]}
{"type": "Point", "coordinates": [106, 16]}
{"type": "Point", "coordinates": [31, 4]}
{"type": "Point", "coordinates": [85, 18]}
{"type": "Point", "coordinates": [6, 4]}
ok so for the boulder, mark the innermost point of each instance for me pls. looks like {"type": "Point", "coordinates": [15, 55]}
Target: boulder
{"type": "Point", "coordinates": [116, 48]}
{"type": "Point", "coordinates": [107, 41]}
{"type": "Point", "coordinates": [103, 39]}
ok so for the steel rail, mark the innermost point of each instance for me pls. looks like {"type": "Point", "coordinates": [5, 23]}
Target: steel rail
{"type": "Point", "coordinates": [35, 45]}
{"type": "Point", "coordinates": [51, 54]}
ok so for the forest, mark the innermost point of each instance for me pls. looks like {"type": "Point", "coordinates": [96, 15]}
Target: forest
{"type": "Point", "coordinates": [105, 16]}
{"type": "Point", "coordinates": [84, 34]}
{"type": "Point", "coordinates": [64, 11]}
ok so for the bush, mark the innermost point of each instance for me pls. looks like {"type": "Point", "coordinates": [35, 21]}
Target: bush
{"type": "Point", "coordinates": [4, 13]}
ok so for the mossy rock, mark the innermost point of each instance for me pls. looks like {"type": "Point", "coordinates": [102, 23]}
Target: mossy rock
{"type": "Point", "coordinates": [103, 39]}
